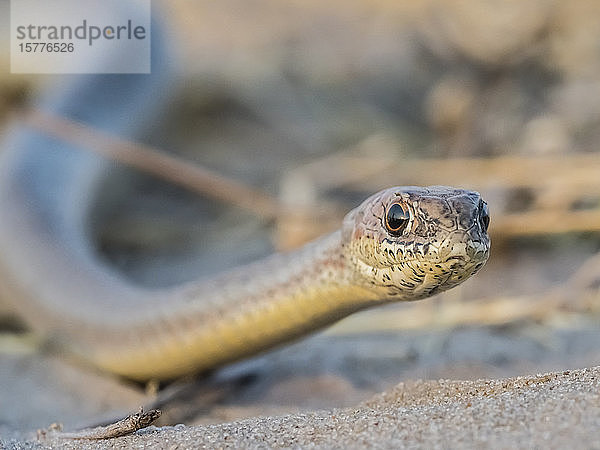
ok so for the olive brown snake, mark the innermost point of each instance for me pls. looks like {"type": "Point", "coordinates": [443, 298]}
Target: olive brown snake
{"type": "Point", "coordinates": [403, 243]}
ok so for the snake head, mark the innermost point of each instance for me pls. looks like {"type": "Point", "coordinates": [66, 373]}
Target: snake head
{"type": "Point", "coordinates": [407, 243]}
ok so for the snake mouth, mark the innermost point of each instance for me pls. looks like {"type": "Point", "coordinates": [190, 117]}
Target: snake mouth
{"type": "Point", "coordinates": [461, 246]}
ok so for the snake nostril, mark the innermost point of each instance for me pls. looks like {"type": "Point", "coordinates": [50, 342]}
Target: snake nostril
{"type": "Point", "coordinates": [484, 215]}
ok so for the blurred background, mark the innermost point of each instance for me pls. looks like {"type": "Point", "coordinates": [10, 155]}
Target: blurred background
{"type": "Point", "coordinates": [317, 105]}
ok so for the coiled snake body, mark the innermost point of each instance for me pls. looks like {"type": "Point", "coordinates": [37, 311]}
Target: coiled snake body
{"type": "Point", "coordinates": [404, 243]}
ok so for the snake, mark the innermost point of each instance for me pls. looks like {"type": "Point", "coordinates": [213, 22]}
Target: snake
{"type": "Point", "coordinates": [400, 244]}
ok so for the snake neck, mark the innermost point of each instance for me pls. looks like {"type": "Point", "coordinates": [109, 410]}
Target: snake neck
{"type": "Point", "coordinates": [314, 270]}
{"type": "Point", "coordinates": [205, 324]}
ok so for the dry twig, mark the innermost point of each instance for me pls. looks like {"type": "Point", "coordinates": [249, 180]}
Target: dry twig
{"type": "Point", "coordinates": [123, 427]}
{"type": "Point", "coordinates": [156, 162]}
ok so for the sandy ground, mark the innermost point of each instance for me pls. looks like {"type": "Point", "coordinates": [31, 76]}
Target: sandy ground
{"type": "Point", "coordinates": [555, 410]}
{"type": "Point", "coordinates": [322, 392]}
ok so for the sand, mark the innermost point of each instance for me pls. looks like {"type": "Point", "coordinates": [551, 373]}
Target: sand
{"type": "Point", "coordinates": [555, 410]}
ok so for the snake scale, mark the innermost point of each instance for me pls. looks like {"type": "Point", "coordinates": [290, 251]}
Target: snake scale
{"type": "Point", "coordinates": [403, 243]}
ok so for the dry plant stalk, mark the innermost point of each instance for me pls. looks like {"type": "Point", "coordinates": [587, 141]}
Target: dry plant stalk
{"type": "Point", "coordinates": [567, 180]}
{"type": "Point", "coordinates": [155, 162]}
{"type": "Point", "coordinates": [123, 427]}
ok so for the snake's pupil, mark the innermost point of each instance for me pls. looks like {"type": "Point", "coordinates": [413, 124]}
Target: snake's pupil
{"type": "Point", "coordinates": [396, 219]}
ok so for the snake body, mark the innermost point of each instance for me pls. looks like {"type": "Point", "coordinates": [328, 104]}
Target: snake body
{"type": "Point", "coordinates": [164, 333]}
{"type": "Point", "coordinates": [431, 240]}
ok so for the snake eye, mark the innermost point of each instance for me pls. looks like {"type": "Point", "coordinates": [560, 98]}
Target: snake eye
{"type": "Point", "coordinates": [484, 215]}
{"type": "Point", "coordinates": [396, 219]}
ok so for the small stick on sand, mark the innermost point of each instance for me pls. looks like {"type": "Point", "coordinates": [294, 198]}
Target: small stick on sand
{"type": "Point", "coordinates": [123, 427]}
